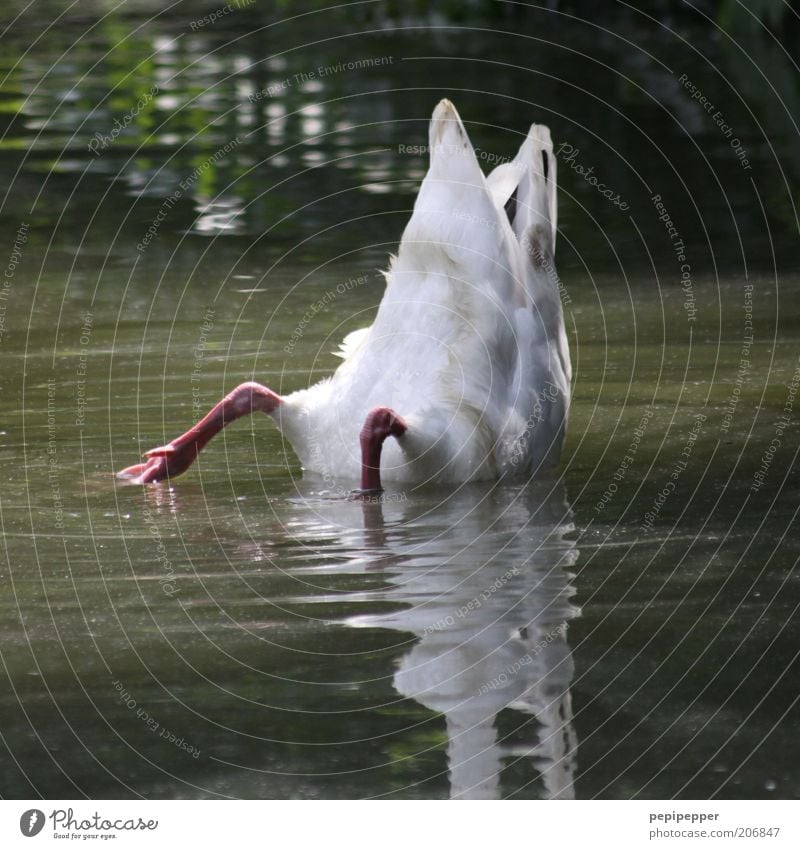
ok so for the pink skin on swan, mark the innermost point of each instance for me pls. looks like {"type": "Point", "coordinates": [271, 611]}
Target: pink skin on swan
{"type": "Point", "coordinates": [171, 460]}
{"type": "Point", "coordinates": [380, 424]}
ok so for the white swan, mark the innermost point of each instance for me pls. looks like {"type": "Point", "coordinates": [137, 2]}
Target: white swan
{"type": "Point", "coordinates": [466, 365]}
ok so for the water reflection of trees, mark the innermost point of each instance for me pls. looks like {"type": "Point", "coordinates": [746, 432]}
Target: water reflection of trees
{"type": "Point", "coordinates": [284, 180]}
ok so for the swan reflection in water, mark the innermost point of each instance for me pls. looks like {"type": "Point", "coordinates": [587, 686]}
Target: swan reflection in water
{"type": "Point", "coordinates": [481, 578]}
{"type": "Point", "coordinates": [486, 579]}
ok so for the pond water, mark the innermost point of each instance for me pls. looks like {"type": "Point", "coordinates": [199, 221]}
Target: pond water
{"type": "Point", "coordinates": [623, 628]}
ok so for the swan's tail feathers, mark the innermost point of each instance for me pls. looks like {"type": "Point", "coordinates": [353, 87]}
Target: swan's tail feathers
{"type": "Point", "coordinates": [549, 169]}
{"type": "Point", "coordinates": [505, 179]}
{"type": "Point", "coordinates": [503, 182]}
{"type": "Point", "coordinates": [526, 188]}
{"type": "Point", "coordinates": [535, 220]}
{"type": "Point", "coordinates": [455, 226]}
{"type": "Point", "coordinates": [452, 156]}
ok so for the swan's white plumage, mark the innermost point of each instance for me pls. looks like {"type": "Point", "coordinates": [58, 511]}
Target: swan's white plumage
{"type": "Point", "coordinates": [468, 345]}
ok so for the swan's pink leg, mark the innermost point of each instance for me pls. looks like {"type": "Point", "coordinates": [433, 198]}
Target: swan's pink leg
{"type": "Point", "coordinates": [168, 461]}
{"type": "Point", "coordinates": [380, 424]}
